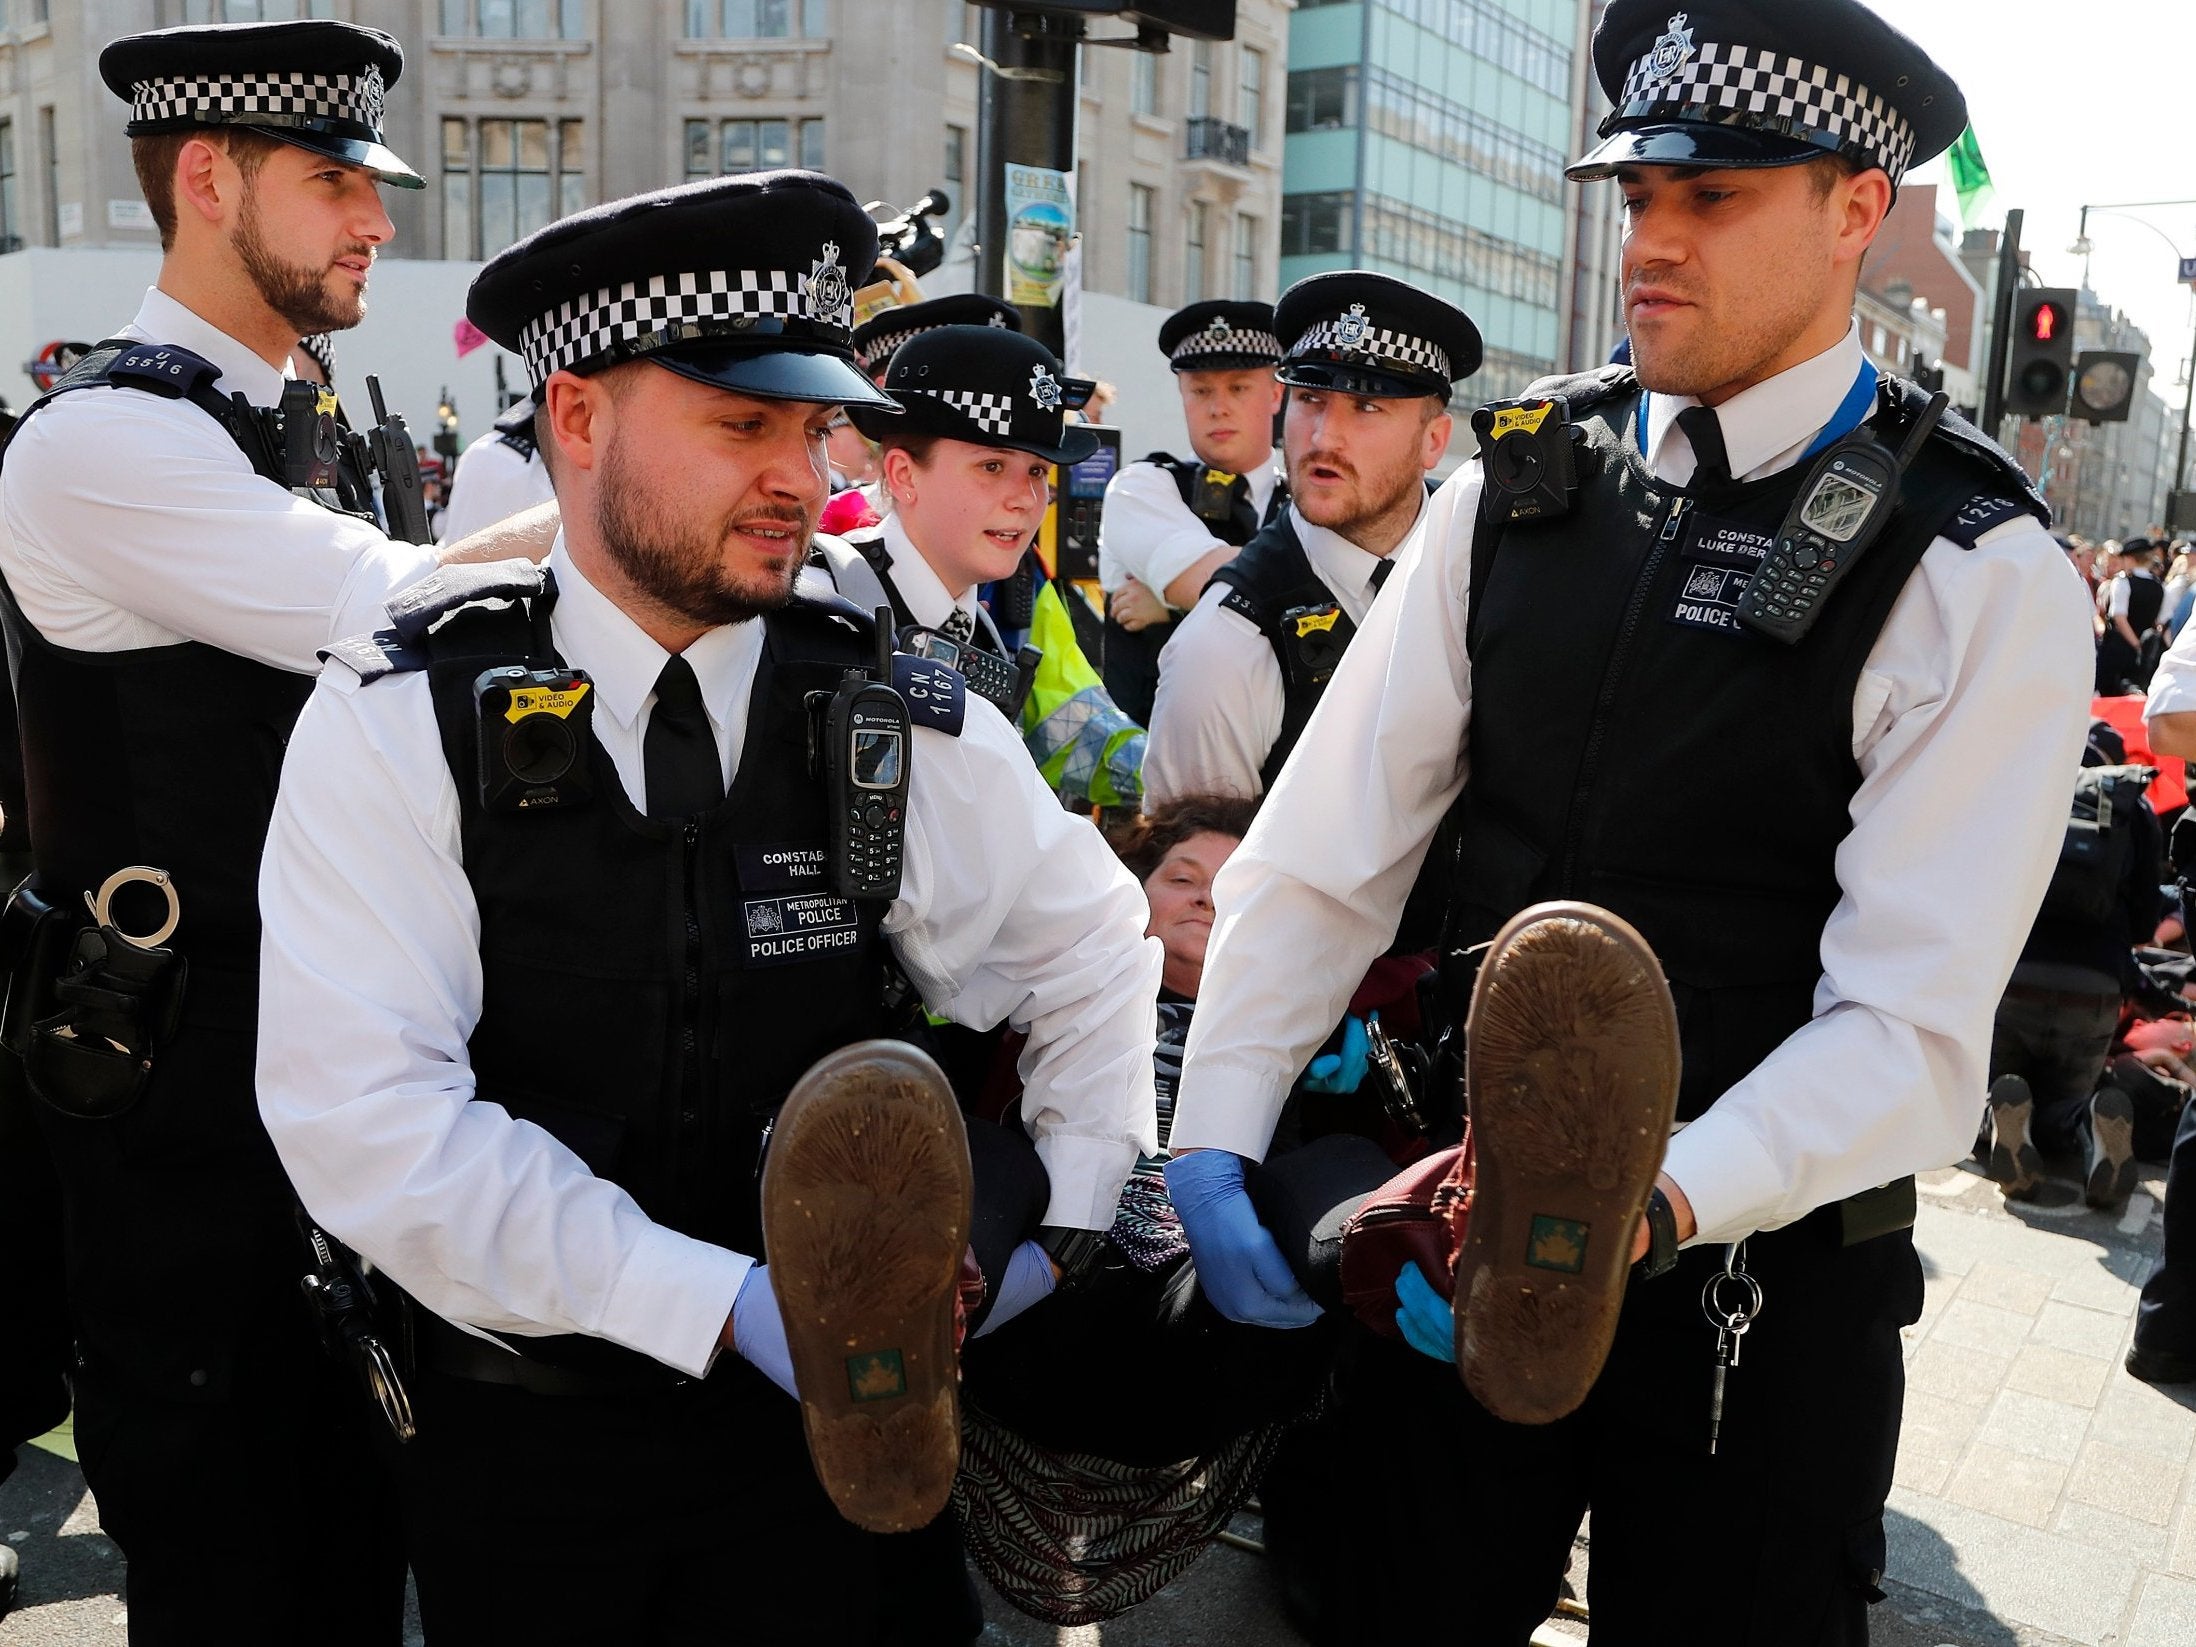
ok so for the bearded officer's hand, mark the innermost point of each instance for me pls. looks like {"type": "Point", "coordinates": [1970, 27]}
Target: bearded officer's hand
{"type": "Point", "coordinates": [1238, 1265]}
{"type": "Point", "coordinates": [758, 1330]}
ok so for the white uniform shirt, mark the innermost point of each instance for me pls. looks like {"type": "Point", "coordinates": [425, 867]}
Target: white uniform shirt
{"type": "Point", "coordinates": [1010, 910]}
{"type": "Point", "coordinates": [492, 482]}
{"type": "Point", "coordinates": [1221, 699]}
{"type": "Point", "coordinates": [2122, 588]}
{"type": "Point", "coordinates": [2173, 687]}
{"type": "Point", "coordinates": [1146, 531]}
{"type": "Point", "coordinates": [128, 520]}
{"type": "Point", "coordinates": [1973, 702]}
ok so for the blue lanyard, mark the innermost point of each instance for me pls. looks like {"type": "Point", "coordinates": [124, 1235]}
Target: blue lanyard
{"type": "Point", "coordinates": [1852, 412]}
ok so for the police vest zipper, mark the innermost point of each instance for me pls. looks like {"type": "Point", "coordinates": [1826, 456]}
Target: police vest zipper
{"type": "Point", "coordinates": [1612, 677]}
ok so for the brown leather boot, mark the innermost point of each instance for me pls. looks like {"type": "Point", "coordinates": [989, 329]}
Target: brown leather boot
{"type": "Point", "coordinates": [865, 1206]}
{"type": "Point", "coordinates": [1571, 1064]}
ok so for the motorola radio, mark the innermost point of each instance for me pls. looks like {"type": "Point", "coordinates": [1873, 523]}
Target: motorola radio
{"type": "Point", "coordinates": [864, 749]}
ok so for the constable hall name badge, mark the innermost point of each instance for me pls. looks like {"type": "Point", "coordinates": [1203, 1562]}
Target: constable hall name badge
{"type": "Point", "coordinates": [1719, 559]}
{"type": "Point", "coordinates": [790, 916]}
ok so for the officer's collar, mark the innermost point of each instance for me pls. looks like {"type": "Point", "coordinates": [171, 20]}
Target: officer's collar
{"type": "Point", "coordinates": [162, 319]}
{"type": "Point", "coordinates": [927, 598]}
{"type": "Point", "coordinates": [1344, 568]}
{"type": "Point", "coordinates": [1765, 428]}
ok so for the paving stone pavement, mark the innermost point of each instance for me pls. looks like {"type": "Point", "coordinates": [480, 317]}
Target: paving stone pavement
{"type": "Point", "coordinates": [2042, 1497]}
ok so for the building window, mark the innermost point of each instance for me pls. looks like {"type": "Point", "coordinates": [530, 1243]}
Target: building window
{"type": "Point", "coordinates": [50, 155]}
{"type": "Point", "coordinates": [1200, 103]}
{"type": "Point", "coordinates": [1250, 101]}
{"type": "Point", "coordinates": [1323, 100]}
{"type": "Point", "coordinates": [1315, 223]}
{"type": "Point", "coordinates": [1144, 83]}
{"type": "Point", "coordinates": [503, 179]}
{"type": "Point", "coordinates": [1139, 242]}
{"type": "Point", "coordinates": [752, 145]}
{"type": "Point", "coordinates": [231, 11]}
{"type": "Point", "coordinates": [757, 19]}
{"type": "Point", "coordinates": [11, 233]}
{"type": "Point", "coordinates": [1246, 258]}
{"type": "Point", "coordinates": [956, 154]}
{"type": "Point", "coordinates": [505, 19]}
{"type": "Point", "coordinates": [1193, 254]}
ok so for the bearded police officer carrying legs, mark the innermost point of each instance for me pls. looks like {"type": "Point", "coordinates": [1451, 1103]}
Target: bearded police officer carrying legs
{"type": "Point", "coordinates": [181, 529]}
{"type": "Point", "coordinates": [1369, 363]}
{"type": "Point", "coordinates": [1170, 523]}
{"type": "Point", "coordinates": [575, 873]}
{"type": "Point", "coordinates": [1582, 663]}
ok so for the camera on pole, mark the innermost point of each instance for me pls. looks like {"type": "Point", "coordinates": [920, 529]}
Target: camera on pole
{"type": "Point", "coordinates": [2104, 385]}
{"type": "Point", "coordinates": [2040, 364]}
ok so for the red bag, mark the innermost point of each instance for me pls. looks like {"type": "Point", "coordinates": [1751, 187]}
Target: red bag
{"type": "Point", "coordinates": [1419, 1216]}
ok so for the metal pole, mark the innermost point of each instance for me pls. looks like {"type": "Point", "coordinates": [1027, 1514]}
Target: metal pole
{"type": "Point", "coordinates": [1025, 116]}
{"type": "Point", "coordinates": [2188, 399]}
{"type": "Point", "coordinates": [2001, 323]}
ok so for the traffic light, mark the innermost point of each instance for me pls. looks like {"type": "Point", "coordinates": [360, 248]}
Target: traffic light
{"type": "Point", "coordinates": [1200, 19]}
{"type": "Point", "coordinates": [2040, 364]}
{"type": "Point", "coordinates": [2104, 385]}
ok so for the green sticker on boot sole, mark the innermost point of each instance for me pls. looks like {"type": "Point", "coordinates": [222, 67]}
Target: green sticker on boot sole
{"type": "Point", "coordinates": [1557, 1244]}
{"type": "Point", "coordinates": [875, 1377]}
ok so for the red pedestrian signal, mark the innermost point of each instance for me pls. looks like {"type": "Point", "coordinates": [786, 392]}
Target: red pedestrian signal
{"type": "Point", "coordinates": [2041, 361]}
{"type": "Point", "coordinates": [2045, 322]}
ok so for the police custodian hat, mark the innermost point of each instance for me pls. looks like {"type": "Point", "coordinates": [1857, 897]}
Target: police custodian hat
{"type": "Point", "coordinates": [987, 386]}
{"type": "Point", "coordinates": [1766, 83]}
{"type": "Point", "coordinates": [318, 84]}
{"type": "Point", "coordinates": [1368, 334]}
{"type": "Point", "coordinates": [876, 338]}
{"type": "Point", "coordinates": [744, 282]}
{"type": "Point", "coordinates": [1220, 335]}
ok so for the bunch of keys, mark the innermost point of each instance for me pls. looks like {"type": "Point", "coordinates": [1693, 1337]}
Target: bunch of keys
{"type": "Point", "coordinates": [1730, 1300]}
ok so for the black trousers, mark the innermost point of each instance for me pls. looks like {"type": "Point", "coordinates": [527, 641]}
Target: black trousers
{"type": "Point", "coordinates": [1442, 1522]}
{"type": "Point", "coordinates": [2166, 1319]}
{"type": "Point", "coordinates": [2058, 1042]}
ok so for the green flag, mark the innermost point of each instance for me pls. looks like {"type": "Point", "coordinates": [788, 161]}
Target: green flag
{"type": "Point", "coordinates": [1970, 178]}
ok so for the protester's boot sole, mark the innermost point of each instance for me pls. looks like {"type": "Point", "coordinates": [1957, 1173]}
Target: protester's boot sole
{"type": "Point", "coordinates": [1571, 1060]}
{"type": "Point", "coordinates": [2014, 1163]}
{"type": "Point", "coordinates": [2111, 1176]}
{"type": "Point", "coordinates": [866, 1212]}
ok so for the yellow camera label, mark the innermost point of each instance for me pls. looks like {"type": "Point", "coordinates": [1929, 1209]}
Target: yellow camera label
{"type": "Point", "coordinates": [544, 700]}
{"type": "Point", "coordinates": [1528, 418]}
{"type": "Point", "coordinates": [324, 403]}
{"type": "Point", "coordinates": [1312, 622]}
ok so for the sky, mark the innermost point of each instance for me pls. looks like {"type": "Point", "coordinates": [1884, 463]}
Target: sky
{"type": "Point", "coordinates": [2081, 102]}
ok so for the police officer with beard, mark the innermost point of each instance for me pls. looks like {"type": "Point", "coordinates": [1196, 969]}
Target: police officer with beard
{"type": "Point", "coordinates": [1581, 664]}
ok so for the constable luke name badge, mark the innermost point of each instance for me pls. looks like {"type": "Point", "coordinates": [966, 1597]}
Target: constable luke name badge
{"type": "Point", "coordinates": [789, 913]}
{"type": "Point", "coordinates": [1720, 559]}
{"type": "Point", "coordinates": [1671, 53]}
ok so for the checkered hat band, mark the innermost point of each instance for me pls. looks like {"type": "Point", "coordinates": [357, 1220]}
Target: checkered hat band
{"type": "Point", "coordinates": [686, 306]}
{"type": "Point", "coordinates": [994, 414]}
{"type": "Point", "coordinates": [1391, 348]}
{"type": "Point", "coordinates": [227, 100]}
{"type": "Point", "coordinates": [1773, 89]}
{"type": "Point", "coordinates": [1207, 342]}
{"type": "Point", "coordinates": [884, 345]}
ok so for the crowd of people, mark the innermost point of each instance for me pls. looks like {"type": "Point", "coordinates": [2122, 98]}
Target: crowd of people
{"type": "Point", "coordinates": [779, 1037]}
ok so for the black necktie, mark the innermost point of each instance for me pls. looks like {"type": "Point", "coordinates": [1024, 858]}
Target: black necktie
{"type": "Point", "coordinates": [1380, 572]}
{"type": "Point", "coordinates": [958, 626]}
{"type": "Point", "coordinates": [1711, 463]}
{"type": "Point", "coordinates": [679, 753]}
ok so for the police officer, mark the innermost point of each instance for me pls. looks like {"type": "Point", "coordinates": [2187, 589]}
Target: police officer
{"type": "Point", "coordinates": [1369, 363]}
{"type": "Point", "coordinates": [173, 562]}
{"type": "Point", "coordinates": [529, 1058]}
{"type": "Point", "coordinates": [1587, 685]}
{"type": "Point", "coordinates": [1169, 523]}
{"type": "Point", "coordinates": [500, 474]}
{"type": "Point", "coordinates": [878, 339]}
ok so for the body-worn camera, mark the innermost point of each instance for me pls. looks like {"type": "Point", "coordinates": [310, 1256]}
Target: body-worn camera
{"type": "Point", "coordinates": [1527, 459]}
{"type": "Point", "coordinates": [534, 732]}
{"type": "Point", "coordinates": [312, 439]}
{"type": "Point", "coordinates": [1212, 498]}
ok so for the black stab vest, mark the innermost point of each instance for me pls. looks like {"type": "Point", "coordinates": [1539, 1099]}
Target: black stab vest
{"type": "Point", "coordinates": [1243, 521]}
{"type": "Point", "coordinates": [653, 988]}
{"type": "Point", "coordinates": [1272, 584]}
{"type": "Point", "coordinates": [2145, 600]}
{"type": "Point", "coordinates": [1632, 746]}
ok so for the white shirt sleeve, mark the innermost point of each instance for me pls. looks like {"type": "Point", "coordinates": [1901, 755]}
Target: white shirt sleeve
{"type": "Point", "coordinates": [1218, 710]}
{"type": "Point", "coordinates": [492, 482]}
{"type": "Point", "coordinates": [129, 521]}
{"type": "Point", "coordinates": [1013, 910]}
{"type": "Point", "coordinates": [370, 987]}
{"type": "Point", "coordinates": [2119, 587]}
{"type": "Point", "coordinates": [2173, 687]}
{"type": "Point", "coordinates": [1147, 532]}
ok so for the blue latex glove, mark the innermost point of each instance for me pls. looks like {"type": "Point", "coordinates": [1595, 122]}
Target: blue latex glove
{"type": "Point", "coordinates": [1238, 1265]}
{"type": "Point", "coordinates": [758, 1330]}
{"type": "Point", "coordinates": [1427, 1322]}
{"type": "Point", "coordinates": [1341, 1071]}
{"type": "Point", "coordinates": [1028, 1280]}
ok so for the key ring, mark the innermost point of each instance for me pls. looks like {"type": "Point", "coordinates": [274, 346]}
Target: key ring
{"type": "Point", "coordinates": [1711, 1302]}
{"type": "Point", "coordinates": [101, 907]}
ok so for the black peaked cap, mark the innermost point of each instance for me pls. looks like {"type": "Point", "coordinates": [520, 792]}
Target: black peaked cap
{"type": "Point", "coordinates": [986, 386]}
{"type": "Point", "coordinates": [1220, 335]}
{"type": "Point", "coordinates": [1766, 83]}
{"type": "Point", "coordinates": [1359, 333]}
{"type": "Point", "coordinates": [744, 282]}
{"type": "Point", "coordinates": [316, 83]}
{"type": "Point", "coordinates": [876, 338]}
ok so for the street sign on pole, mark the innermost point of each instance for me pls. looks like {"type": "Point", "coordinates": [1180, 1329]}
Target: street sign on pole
{"type": "Point", "coordinates": [2188, 270]}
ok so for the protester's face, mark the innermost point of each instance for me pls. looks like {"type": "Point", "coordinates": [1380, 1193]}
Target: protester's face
{"type": "Point", "coordinates": [1725, 272]}
{"type": "Point", "coordinates": [306, 232]}
{"type": "Point", "coordinates": [1230, 417]}
{"type": "Point", "coordinates": [1180, 894]}
{"type": "Point", "coordinates": [971, 510]}
{"type": "Point", "coordinates": [704, 499]}
{"type": "Point", "coordinates": [1354, 462]}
